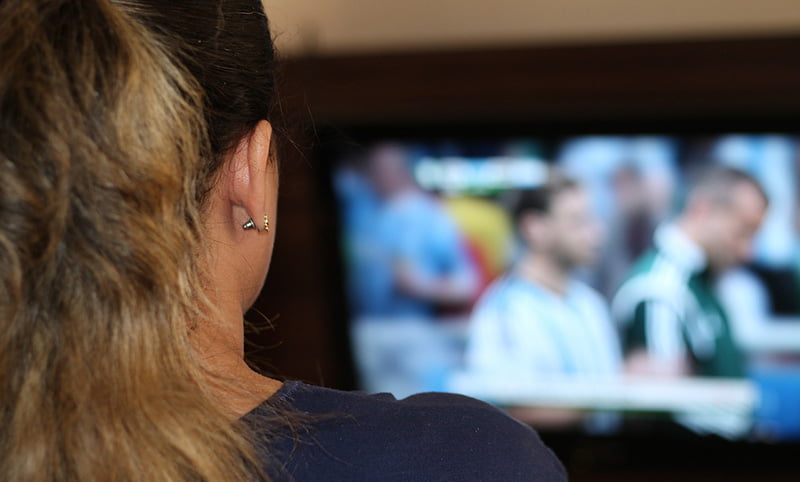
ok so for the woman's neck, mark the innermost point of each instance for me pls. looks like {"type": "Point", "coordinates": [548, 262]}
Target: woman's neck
{"type": "Point", "coordinates": [233, 383]}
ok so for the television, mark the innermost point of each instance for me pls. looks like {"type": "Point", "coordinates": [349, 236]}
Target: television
{"type": "Point", "coordinates": [425, 227]}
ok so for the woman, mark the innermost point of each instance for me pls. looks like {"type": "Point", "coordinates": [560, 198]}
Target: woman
{"type": "Point", "coordinates": [137, 218]}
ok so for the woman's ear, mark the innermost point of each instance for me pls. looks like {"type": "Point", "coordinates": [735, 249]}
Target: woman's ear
{"type": "Point", "coordinates": [249, 180]}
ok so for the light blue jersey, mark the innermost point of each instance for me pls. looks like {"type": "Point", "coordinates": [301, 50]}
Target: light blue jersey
{"type": "Point", "coordinates": [519, 328]}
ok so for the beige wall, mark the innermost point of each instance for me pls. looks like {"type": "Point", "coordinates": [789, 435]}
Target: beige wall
{"type": "Point", "coordinates": [327, 26]}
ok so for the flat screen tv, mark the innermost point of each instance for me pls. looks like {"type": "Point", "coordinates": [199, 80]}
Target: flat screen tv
{"type": "Point", "coordinates": [427, 230]}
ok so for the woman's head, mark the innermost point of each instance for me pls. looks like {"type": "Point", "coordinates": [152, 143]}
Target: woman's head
{"type": "Point", "coordinates": [117, 119]}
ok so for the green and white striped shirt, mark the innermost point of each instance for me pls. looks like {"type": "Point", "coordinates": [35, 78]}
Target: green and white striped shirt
{"type": "Point", "coordinates": [668, 306]}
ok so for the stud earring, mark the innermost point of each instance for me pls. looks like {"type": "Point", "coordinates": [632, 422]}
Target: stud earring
{"type": "Point", "coordinates": [250, 224]}
{"type": "Point", "coordinates": [266, 224]}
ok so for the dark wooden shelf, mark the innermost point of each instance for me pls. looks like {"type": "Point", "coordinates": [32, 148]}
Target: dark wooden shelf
{"type": "Point", "coordinates": [734, 77]}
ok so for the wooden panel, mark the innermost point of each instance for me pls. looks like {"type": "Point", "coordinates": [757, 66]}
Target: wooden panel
{"type": "Point", "coordinates": [690, 79]}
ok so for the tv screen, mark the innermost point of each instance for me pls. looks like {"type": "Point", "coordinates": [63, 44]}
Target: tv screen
{"type": "Point", "coordinates": [594, 282]}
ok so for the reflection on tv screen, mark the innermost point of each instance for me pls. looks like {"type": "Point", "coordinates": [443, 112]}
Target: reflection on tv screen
{"type": "Point", "coordinates": [596, 282]}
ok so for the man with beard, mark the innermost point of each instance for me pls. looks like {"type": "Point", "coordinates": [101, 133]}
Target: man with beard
{"type": "Point", "coordinates": [538, 323]}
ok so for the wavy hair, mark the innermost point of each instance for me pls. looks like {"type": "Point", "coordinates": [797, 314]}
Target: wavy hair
{"type": "Point", "coordinates": [114, 118]}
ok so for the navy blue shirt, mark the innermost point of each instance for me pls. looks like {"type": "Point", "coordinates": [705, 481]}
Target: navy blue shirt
{"type": "Point", "coordinates": [433, 436]}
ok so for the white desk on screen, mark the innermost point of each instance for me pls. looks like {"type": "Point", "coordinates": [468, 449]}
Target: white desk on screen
{"type": "Point", "coordinates": [625, 394]}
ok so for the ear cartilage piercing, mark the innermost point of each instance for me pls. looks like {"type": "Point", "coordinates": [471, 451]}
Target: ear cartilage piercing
{"type": "Point", "coordinates": [266, 224]}
{"type": "Point", "coordinates": [250, 224]}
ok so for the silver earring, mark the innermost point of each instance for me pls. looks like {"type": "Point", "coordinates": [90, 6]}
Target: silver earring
{"type": "Point", "coordinates": [250, 224]}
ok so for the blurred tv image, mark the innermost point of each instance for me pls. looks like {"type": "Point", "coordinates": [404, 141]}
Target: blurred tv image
{"type": "Point", "coordinates": [584, 282]}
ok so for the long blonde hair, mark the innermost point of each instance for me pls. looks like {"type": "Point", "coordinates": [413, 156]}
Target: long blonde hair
{"type": "Point", "coordinates": [107, 146]}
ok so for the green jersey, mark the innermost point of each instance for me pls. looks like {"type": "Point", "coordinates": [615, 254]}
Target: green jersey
{"type": "Point", "coordinates": [668, 307]}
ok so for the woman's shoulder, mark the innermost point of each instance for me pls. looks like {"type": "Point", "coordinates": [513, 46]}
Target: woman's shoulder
{"type": "Point", "coordinates": [430, 436]}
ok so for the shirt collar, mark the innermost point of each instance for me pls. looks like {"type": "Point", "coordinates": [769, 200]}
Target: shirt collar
{"type": "Point", "coordinates": [678, 247]}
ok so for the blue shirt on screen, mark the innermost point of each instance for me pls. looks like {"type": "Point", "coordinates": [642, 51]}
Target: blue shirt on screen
{"type": "Point", "coordinates": [414, 230]}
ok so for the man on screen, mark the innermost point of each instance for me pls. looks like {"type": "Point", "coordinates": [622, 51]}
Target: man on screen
{"type": "Point", "coordinates": [538, 323]}
{"type": "Point", "coordinates": [672, 321]}
{"type": "Point", "coordinates": [419, 261]}
{"type": "Point", "coordinates": [410, 269]}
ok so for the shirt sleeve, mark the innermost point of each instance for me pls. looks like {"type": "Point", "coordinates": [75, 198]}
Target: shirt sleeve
{"type": "Point", "coordinates": [658, 329]}
{"type": "Point", "coordinates": [603, 333]}
{"type": "Point", "coordinates": [489, 350]}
